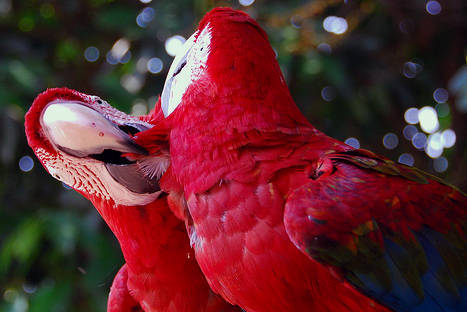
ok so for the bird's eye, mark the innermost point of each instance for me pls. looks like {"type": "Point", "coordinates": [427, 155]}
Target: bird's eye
{"type": "Point", "coordinates": [180, 68]}
{"type": "Point", "coordinates": [132, 128]}
{"type": "Point", "coordinates": [110, 156]}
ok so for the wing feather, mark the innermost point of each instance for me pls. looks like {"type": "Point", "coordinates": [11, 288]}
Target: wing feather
{"type": "Point", "coordinates": [394, 232]}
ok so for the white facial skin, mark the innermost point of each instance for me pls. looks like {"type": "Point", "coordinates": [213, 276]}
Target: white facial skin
{"type": "Point", "coordinates": [77, 130]}
{"type": "Point", "coordinates": [188, 65]}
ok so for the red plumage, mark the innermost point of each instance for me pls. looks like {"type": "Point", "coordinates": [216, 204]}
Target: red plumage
{"type": "Point", "coordinates": [284, 218]}
{"type": "Point", "coordinates": [161, 273]}
{"type": "Point", "coordinates": [119, 297]}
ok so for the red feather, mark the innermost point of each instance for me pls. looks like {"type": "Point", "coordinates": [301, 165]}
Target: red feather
{"type": "Point", "coordinates": [161, 273]}
{"type": "Point", "coordinates": [282, 217]}
{"type": "Point", "coordinates": [120, 299]}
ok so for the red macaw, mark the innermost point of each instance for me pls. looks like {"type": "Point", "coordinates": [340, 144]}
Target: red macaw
{"type": "Point", "coordinates": [283, 217]}
{"type": "Point", "coordinates": [80, 140]}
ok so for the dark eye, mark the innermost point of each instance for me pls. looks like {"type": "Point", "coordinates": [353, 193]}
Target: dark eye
{"type": "Point", "coordinates": [132, 128]}
{"type": "Point", "coordinates": [109, 156]}
{"type": "Point", "coordinates": [180, 68]}
{"type": "Point", "coordinates": [201, 49]}
{"type": "Point", "coordinates": [99, 101]}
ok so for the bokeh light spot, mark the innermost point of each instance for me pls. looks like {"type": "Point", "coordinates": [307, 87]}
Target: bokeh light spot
{"type": "Point", "coordinates": [148, 14]}
{"type": "Point", "coordinates": [140, 22]}
{"type": "Point", "coordinates": [91, 54]}
{"type": "Point", "coordinates": [47, 10]}
{"type": "Point", "coordinates": [390, 140]}
{"type": "Point", "coordinates": [145, 17]}
{"type": "Point", "coordinates": [26, 24]}
{"type": "Point", "coordinates": [29, 288]}
{"type": "Point", "coordinates": [428, 119]}
{"type": "Point", "coordinates": [324, 48]}
{"type": "Point", "coordinates": [126, 57]}
{"type": "Point", "coordinates": [246, 2]}
{"type": "Point", "coordinates": [120, 48]}
{"type": "Point", "coordinates": [142, 65]}
{"type": "Point", "coordinates": [336, 25]}
{"type": "Point", "coordinates": [411, 69]}
{"type": "Point", "coordinates": [132, 83]}
{"type": "Point", "coordinates": [419, 140]}
{"type": "Point", "coordinates": [139, 108]}
{"type": "Point", "coordinates": [155, 65]}
{"type": "Point", "coordinates": [26, 163]}
{"type": "Point", "coordinates": [406, 26]}
{"type": "Point", "coordinates": [411, 115]}
{"type": "Point", "coordinates": [406, 159]}
{"type": "Point", "coordinates": [433, 7]}
{"type": "Point", "coordinates": [352, 142]}
{"type": "Point", "coordinates": [296, 21]}
{"type": "Point", "coordinates": [440, 95]}
{"type": "Point", "coordinates": [110, 58]}
{"type": "Point", "coordinates": [409, 131]}
{"type": "Point", "coordinates": [10, 294]}
{"type": "Point", "coordinates": [328, 93]}
{"type": "Point", "coordinates": [448, 138]}
{"type": "Point", "coordinates": [174, 44]}
{"type": "Point", "coordinates": [434, 147]}
{"type": "Point", "coordinates": [312, 66]}
{"type": "Point", "coordinates": [440, 164]}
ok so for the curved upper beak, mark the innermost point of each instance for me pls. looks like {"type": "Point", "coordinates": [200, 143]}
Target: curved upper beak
{"type": "Point", "coordinates": [81, 131]}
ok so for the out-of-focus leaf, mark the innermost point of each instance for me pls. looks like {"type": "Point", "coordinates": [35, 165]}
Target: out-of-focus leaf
{"type": "Point", "coordinates": [22, 244]}
{"type": "Point", "coordinates": [67, 51]}
{"type": "Point", "coordinates": [63, 230]}
{"type": "Point", "coordinates": [51, 296]}
{"type": "Point", "coordinates": [117, 18]}
{"type": "Point", "coordinates": [22, 74]}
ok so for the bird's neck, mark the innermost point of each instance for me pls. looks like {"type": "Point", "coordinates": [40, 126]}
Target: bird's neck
{"type": "Point", "coordinates": [162, 270]}
{"type": "Point", "coordinates": [148, 235]}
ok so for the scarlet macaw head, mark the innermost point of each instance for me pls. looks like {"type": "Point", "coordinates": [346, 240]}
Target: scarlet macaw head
{"type": "Point", "coordinates": [82, 141]}
{"type": "Point", "coordinates": [228, 54]}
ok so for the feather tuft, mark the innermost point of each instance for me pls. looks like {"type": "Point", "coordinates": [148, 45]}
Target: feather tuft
{"type": "Point", "coordinates": [153, 166]}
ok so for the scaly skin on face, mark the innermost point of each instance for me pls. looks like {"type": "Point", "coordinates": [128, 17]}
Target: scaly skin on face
{"type": "Point", "coordinates": [285, 218]}
{"type": "Point", "coordinates": [81, 140]}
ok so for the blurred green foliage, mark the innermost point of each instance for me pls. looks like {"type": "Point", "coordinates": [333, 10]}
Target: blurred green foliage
{"type": "Point", "coordinates": [55, 252]}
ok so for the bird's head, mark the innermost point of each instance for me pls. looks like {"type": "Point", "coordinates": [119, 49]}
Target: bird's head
{"type": "Point", "coordinates": [226, 68]}
{"type": "Point", "coordinates": [83, 141]}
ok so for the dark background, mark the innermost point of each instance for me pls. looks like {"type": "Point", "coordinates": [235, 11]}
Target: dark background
{"type": "Point", "coordinates": [56, 254]}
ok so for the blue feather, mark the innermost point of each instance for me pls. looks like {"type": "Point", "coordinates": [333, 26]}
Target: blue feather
{"type": "Point", "coordinates": [442, 292]}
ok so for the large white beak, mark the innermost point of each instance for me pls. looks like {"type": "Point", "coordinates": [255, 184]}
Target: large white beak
{"type": "Point", "coordinates": [176, 82]}
{"type": "Point", "coordinates": [82, 131]}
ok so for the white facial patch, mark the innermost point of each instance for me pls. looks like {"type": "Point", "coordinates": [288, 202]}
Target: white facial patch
{"type": "Point", "coordinates": [78, 130]}
{"type": "Point", "coordinates": [187, 67]}
{"type": "Point", "coordinates": [91, 177]}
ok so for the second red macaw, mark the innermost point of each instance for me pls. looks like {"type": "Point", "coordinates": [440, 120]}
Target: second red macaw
{"type": "Point", "coordinates": [80, 140]}
{"type": "Point", "coordinates": [283, 217]}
